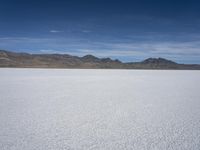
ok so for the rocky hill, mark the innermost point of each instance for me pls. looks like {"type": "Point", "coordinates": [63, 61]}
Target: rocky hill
{"type": "Point", "coordinates": [25, 60]}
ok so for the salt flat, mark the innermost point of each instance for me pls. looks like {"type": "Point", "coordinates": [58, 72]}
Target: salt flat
{"type": "Point", "coordinates": [55, 109]}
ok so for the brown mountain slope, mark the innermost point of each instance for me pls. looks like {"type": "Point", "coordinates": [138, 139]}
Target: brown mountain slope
{"type": "Point", "coordinates": [25, 60]}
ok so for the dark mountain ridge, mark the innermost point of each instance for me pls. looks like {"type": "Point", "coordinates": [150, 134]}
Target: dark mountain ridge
{"type": "Point", "coordinates": [26, 60]}
{"type": "Point", "coordinates": [157, 61]}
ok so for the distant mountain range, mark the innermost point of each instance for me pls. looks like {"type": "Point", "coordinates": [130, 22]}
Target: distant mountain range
{"type": "Point", "coordinates": [25, 60]}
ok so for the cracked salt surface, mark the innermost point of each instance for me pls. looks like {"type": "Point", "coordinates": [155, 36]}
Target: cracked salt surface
{"type": "Point", "coordinates": [52, 109]}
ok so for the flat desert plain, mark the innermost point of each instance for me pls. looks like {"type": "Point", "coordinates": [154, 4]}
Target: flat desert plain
{"type": "Point", "coordinates": [72, 109]}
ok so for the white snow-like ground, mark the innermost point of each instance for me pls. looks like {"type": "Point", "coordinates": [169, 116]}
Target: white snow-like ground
{"type": "Point", "coordinates": [52, 109]}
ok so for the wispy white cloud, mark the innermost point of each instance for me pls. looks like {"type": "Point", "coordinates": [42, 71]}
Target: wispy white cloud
{"type": "Point", "coordinates": [106, 52]}
{"type": "Point", "coordinates": [55, 31]}
{"type": "Point", "coordinates": [51, 51]}
{"type": "Point", "coordinates": [170, 49]}
{"type": "Point", "coordinates": [81, 45]}
{"type": "Point", "coordinates": [86, 31]}
{"type": "Point", "coordinates": [183, 48]}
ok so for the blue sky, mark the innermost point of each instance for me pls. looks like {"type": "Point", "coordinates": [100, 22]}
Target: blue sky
{"type": "Point", "coordinates": [127, 30]}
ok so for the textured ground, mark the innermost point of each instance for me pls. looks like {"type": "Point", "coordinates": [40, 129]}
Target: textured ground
{"type": "Point", "coordinates": [52, 109]}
